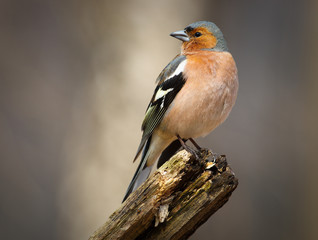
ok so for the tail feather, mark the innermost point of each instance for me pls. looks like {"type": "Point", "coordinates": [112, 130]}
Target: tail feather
{"type": "Point", "coordinates": [138, 177]}
{"type": "Point", "coordinates": [143, 171]}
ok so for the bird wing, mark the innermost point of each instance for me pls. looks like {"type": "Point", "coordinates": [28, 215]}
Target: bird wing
{"type": "Point", "coordinates": [170, 81]}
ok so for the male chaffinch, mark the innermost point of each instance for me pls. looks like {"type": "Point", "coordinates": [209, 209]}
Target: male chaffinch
{"type": "Point", "coordinates": [195, 93]}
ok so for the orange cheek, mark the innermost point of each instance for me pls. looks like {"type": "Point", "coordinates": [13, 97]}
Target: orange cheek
{"type": "Point", "coordinates": [208, 41]}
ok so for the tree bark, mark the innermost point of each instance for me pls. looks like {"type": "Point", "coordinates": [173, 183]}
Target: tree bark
{"type": "Point", "coordinates": [178, 198]}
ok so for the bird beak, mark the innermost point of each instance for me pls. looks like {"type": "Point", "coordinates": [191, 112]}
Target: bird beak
{"type": "Point", "coordinates": [181, 35]}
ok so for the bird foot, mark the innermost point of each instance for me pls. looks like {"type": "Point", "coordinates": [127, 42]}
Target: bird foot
{"type": "Point", "coordinates": [203, 153]}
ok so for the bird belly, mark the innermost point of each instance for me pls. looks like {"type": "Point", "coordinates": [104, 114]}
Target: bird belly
{"type": "Point", "coordinates": [202, 104]}
{"type": "Point", "coordinates": [195, 114]}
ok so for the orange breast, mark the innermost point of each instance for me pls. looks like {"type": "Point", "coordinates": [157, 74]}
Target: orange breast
{"type": "Point", "coordinates": [206, 98]}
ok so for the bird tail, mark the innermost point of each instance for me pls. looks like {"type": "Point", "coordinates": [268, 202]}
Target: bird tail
{"type": "Point", "coordinates": [143, 172]}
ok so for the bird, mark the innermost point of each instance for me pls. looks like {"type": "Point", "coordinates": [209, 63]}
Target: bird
{"type": "Point", "coordinates": [195, 93]}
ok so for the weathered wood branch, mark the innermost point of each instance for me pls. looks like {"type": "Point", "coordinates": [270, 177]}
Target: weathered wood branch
{"type": "Point", "coordinates": [174, 201]}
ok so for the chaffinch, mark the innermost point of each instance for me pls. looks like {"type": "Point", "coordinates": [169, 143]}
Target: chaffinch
{"type": "Point", "coordinates": [195, 93]}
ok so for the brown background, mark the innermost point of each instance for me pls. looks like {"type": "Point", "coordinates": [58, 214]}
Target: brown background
{"type": "Point", "coordinates": [76, 78]}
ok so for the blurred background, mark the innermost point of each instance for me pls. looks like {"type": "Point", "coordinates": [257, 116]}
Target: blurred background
{"type": "Point", "coordinates": [76, 78]}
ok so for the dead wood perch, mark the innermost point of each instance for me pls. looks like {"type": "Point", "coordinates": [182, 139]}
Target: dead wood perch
{"type": "Point", "coordinates": [178, 198]}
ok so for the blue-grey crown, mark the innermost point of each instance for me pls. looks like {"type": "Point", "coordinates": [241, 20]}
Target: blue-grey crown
{"type": "Point", "coordinates": [221, 43]}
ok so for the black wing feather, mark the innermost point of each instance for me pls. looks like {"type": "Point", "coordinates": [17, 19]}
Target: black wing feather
{"type": "Point", "coordinates": [157, 108]}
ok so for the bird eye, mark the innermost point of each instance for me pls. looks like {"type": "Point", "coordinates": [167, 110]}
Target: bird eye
{"type": "Point", "coordinates": [197, 34]}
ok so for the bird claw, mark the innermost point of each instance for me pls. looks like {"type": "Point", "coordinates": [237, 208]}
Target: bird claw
{"type": "Point", "coordinates": [196, 154]}
{"type": "Point", "coordinates": [203, 153]}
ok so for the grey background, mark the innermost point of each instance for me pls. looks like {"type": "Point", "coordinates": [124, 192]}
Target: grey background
{"type": "Point", "coordinates": [76, 78]}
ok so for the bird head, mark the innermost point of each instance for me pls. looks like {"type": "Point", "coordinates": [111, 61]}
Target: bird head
{"type": "Point", "coordinates": [201, 35]}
